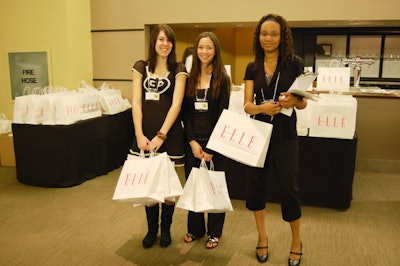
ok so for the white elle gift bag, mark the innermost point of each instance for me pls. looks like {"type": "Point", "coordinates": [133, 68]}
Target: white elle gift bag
{"type": "Point", "coordinates": [333, 78]}
{"type": "Point", "coordinates": [241, 138]}
{"type": "Point", "coordinates": [146, 180]}
{"type": "Point", "coordinates": [333, 116]}
{"type": "Point", "coordinates": [67, 108]}
{"type": "Point", "coordinates": [111, 100]}
{"type": "Point", "coordinates": [141, 181]}
{"type": "Point", "coordinates": [205, 190]}
{"type": "Point", "coordinates": [211, 190]}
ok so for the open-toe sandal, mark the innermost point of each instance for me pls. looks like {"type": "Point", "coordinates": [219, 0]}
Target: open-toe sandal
{"type": "Point", "coordinates": [212, 242]}
{"type": "Point", "coordinates": [296, 262]}
{"type": "Point", "coordinates": [192, 238]}
{"type": "Point", "coordinates": [262, 258]}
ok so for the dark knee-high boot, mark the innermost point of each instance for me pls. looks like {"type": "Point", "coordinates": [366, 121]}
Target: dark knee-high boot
{"type": "Point", "coordinates": [166, 221]}
{"type": "Point", "coordinates": [152, 215]}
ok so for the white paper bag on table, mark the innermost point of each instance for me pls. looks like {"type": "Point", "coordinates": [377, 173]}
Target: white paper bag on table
{"type": "Point", "coordinates": [333, 116]}
{"type": "Point", "coordinates": [5, 124]}
{"type": "Point", "coordinates": [241, 138]}
{"type": "Point", "coordinates": [111, 100]}
{"type": "Point", "coordinates": [21, 106]}
{"type": "Point", "coordinates": [36, 109]}
{"type": "Point", "coordinates": [89, 105]}
{"type": "Point", "coordinates": [67, 108]}
{"type": "Point", "coordinates": [333, 78]}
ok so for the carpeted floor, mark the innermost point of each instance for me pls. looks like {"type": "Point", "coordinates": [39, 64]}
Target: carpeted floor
{"type": "Point", "coordinates": [81, 225]}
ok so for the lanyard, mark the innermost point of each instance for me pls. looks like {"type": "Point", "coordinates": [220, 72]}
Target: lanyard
{"type": "Point", "coordinates": [204, 98]}
{"type": "Point", "coordinates": [276, 87]}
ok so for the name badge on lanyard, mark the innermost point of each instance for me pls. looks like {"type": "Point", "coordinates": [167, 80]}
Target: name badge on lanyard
{"type": "Point", "coordinates": [201, 104]}
{"type": "Point", "coordinates": [152, 96]}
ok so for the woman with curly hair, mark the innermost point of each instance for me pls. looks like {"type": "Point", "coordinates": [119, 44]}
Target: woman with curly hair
{"type": "Point", "coordinates": [267, 80]}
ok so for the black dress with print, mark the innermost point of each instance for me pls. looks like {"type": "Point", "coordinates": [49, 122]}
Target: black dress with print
{"type": "Point", "coordinates": [155, 112]}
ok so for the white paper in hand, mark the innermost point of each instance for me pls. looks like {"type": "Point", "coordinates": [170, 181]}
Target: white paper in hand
{"type": "Point", "coordinates": [302, 83]}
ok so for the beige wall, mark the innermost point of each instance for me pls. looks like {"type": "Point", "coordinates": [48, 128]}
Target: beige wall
{"type": "Point", "coordinates": [236, 43]}
{"type": "Point", "coordinates": [378, 128]}
{"type": "Point", "coordinates": [61, 27]}
{"type": "Point", "coordinates": [134, 14]}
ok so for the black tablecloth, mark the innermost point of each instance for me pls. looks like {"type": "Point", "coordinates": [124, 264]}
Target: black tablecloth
{"type": "Point", "coordinates": [62, 156]}
{"type": "Point", "coordinates": [326, 172]}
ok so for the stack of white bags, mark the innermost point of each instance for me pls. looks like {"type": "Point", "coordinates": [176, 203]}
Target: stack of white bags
{"type": "Point", "coordinates": [61, 106]}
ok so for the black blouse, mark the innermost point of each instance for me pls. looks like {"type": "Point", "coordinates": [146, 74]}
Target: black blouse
{"type": "Point", "coordinates": [282, 79]}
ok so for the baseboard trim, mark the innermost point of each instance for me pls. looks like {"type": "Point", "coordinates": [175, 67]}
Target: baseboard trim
{"type": "Point", "coordinates": [378, 165]}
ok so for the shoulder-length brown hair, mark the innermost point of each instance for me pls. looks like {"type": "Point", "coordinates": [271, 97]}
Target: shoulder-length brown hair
{"type": "Point", "coordinates": [171, 61]}
{"type": "Point", "coordinates": [219, 74]}
{"type": "Point", "coordinates": [286, 49]}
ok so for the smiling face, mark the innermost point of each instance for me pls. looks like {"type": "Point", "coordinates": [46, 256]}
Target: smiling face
{"type": "Point", "coordinates": [163, 45]}
{"type": "Point", "coordinates": [270, 36]}
{"type": "Point", "coordinates": [206, 50]}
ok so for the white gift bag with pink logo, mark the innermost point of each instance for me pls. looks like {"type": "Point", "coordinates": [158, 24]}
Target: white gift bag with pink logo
{"type": "Point", "coordinates": [67, 108]}
{"type": "Point", "coordinates": [148, 180]}
{"type": "Point", "coordinates": [205, 190]}
{"type": "Point", "coordinates": [111, 100]}
{"type": "Point", "coordinates": [241, 138]}
{"type": "Point", "coordinates": [333, 78]}
{"type": "Point", "coordinates": [333, 116]}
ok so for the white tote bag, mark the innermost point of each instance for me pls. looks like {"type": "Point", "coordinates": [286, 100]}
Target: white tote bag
{"type": "Point", "coordinates": [5, 124]}
{"type": "Point", "coordinates": [142, 181]}
{"type": "Point", "coordinates": [89, 101]}
{"type": "Point", "coordinates": [211, 190]}
{"type": "Point", "coordinates": [205, 190]}
{"type": "Point", "coordinates": [36, 109]}
{"type": "Point", "coordinates": [172, 185]}
{"type": "Point", "coordinates": [67, 108]}
{"type": "Point", "coordinates": [21, 106]}
{"type": "Point", "coordinates": [333, 116]}
{"type": "Point", "coordinates": [49, 117]}
{"type": "Point", "coordinates": [241, 138]}
{"type": "Point", "coordinates": [111, 100]}
{"type": "Point", "coordinates": [333, 78]}
{"type": "Point", "coordinates": [187, 200]}
{"type": "Point", "coordinates": [89, 105]}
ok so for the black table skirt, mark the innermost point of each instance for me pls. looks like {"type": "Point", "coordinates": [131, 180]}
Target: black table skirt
{"type": "Point", "coordinates": [63, 156]}
{"type": "Point", "coordinates": [326, 173]}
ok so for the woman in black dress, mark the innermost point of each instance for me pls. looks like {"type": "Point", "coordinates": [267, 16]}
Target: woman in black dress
{"type": "Point", "coordinates": [158, 91]}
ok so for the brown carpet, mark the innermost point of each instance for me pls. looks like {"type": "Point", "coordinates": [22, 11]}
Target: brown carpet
{"type": "Point", "coordinates": [82, 226]}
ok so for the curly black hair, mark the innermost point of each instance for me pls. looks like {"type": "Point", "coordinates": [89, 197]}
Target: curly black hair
{"type": "Point", "coordinates": [286, 49]}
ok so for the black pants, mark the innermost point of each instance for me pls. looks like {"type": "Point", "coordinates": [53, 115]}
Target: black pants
{"type": "Point", "coordinates": [196, 221]}
{"type": "Point", "coordinates": [281, 163]}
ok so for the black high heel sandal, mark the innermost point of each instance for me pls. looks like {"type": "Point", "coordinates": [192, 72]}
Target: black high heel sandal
{"type": "Point", "coordinates": [262, 258]}
{"type": "Point", "coordinates": [296, 262]}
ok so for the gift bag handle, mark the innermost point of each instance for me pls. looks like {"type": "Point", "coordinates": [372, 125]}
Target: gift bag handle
{"type": "Point", "coordinates": [204, 164]}
{"type": "Point", "coordinates": [334, 61]}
